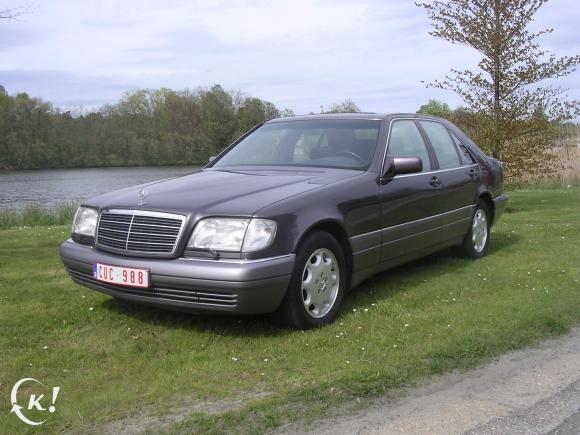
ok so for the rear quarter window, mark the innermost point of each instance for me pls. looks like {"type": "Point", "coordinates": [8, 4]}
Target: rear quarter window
{"type": "Point", "coordinates": [466, 158]}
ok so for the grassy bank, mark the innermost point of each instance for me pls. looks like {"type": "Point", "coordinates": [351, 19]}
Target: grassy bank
{"type": "Point", "coordinates": [115, 361]}
{"type": "Point", "coordinates": [37, 215]}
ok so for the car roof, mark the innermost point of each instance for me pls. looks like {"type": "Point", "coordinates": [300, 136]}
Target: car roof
{"type": "Point", "coordinates": [354, 115]}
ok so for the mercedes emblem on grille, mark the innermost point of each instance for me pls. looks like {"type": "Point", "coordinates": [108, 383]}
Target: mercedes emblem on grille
{"type": "Point", "coordinates": [142, 194]}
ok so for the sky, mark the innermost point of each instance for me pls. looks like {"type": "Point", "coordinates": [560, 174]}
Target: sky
{"type": "Point", "coordinates": [298, 54]}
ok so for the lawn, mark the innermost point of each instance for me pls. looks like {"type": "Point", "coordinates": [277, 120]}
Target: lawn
{"type": "Point", "coordinates": [117, 361]}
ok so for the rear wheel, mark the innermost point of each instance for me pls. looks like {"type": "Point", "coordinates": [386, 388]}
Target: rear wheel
{"type": "Point", "coordinates": [317, 286]}
{"type": "Point", "coordinates": [476, 241]}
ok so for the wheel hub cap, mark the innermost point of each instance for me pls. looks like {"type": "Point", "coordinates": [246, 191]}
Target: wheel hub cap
{"type": "Point", "coordinates": [320, 281]}
{"type": "Point", "coordinates": [479, 232]}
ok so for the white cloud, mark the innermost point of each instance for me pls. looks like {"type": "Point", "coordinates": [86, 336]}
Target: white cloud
{"type": "Point", "coordinates": [296, 53]}
{"type": "Point", "coordinates": [242, 22]}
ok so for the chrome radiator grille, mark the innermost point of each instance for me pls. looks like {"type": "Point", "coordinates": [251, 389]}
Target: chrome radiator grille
{"type": "Point", "coordinates": [136, 231]}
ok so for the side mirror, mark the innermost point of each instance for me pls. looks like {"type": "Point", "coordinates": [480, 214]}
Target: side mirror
{"type": "Point", "coordinates": [211, 159]}
{"type": "Point", "coordinates": [402, 165]}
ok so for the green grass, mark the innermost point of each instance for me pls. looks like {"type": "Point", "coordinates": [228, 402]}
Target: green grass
{"type": "Point", "coordinates": [438, 314]}
{"type": "Point", "coordinates": [37, 215]}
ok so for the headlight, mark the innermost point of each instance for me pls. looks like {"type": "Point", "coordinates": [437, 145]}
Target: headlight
{"type": "Point", "coordinates": [229, 234]}
{"type": "Point", "coordinates": [85, 222]}
{"type": "Point", "coordinates": [219, 234]}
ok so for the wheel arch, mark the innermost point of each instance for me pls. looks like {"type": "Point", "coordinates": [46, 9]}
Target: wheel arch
{"type": "Point", "coordinates": [486, 197]}
{"type": "Point", "coordinates": [336, 230]}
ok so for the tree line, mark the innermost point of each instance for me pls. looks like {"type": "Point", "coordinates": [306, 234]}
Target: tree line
{"type": "Point", "coordinates": [168, 127]}
{"type": "Point", "coordinates": [146, 127]}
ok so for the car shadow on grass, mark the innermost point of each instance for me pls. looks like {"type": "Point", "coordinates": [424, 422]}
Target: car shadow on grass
{"type": "Point", "coordinates": [220, 324]}
{"type": "Point", "coordinates": [399, 279]}
{"type": "Point", "coordinates": [381, 286]}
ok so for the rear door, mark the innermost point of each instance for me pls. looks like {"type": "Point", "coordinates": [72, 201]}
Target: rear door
{"type": "Point", "coordinates": [458, 175]}
{"type": "Point", "coordinates": [410, 202]}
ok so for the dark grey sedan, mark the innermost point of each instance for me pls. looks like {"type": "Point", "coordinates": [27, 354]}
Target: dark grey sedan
{"type": "Point", "coordinates": [291, 216]}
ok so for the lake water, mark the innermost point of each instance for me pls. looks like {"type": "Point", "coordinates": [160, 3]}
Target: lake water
{"type": "Point", "coordinates": [52, 186]}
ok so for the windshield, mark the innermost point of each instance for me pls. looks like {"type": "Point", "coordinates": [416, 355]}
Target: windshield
{"type": "Point", "coordinates": [327, 143]}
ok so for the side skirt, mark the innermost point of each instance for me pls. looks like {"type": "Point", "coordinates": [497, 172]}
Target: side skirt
{"type": "Point", "coordinates": [362, 275]}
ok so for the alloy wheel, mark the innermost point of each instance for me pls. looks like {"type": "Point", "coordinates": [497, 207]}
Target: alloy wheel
{"type": "Point", "coordinates": [320, 283]}
{"type": "Point", "coordinates": [479, 231]}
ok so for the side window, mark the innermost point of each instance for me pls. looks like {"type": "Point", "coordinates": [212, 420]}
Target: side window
{"type": "Point", "coordinates": [405, 141]}
{"type": "Point", "coordinates": [443, 145]}
{"type": "Point", "coordinates": [466, 158]}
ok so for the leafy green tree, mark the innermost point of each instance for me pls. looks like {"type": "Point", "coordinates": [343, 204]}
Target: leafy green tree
{"type": "Point", "coordinates": [436, 108]}
{"type": "Point", "coordinates": [347, 106]}
{"type": "Point", "coordinates": [6, 153]}
{"type": "Point", "coordinates": [254, 111]}
{"type": "Point", "coordinates": [286, 113]}
{"type": "Point", "coordinates": [218, 124]}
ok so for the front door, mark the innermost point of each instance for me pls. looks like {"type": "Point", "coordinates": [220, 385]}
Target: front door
{"type": "Point", "coordinates": [409, 203]}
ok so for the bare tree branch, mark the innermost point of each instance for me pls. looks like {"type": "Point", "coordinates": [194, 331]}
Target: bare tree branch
{"type": "Point", "coordinates": [504, 96]}
{"type": "Point", "coordinates": [12, 13]}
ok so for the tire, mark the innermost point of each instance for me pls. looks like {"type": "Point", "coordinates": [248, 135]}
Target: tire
{"type": "Point", "coordinates": [476, 242]}
{"type": "Point", "coordinates": [318, 284]}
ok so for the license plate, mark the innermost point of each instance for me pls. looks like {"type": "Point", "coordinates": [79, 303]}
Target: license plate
{"type": "Point", "coordinates": [128, 276]}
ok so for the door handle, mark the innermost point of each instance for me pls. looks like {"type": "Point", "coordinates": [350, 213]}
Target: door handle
{"type": "Point", "coordinates": [474, 173]}
{"type": "Point", "coordinates": [435, 182]}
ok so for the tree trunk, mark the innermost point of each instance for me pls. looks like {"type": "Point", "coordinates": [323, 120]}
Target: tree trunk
{"type": "Point", "coordinates": [497, 142]}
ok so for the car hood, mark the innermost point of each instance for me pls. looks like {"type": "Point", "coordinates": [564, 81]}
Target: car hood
{"type": "Point", "coordinates": [240, 192]}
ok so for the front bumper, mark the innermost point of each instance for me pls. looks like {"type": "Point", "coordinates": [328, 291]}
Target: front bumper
{"type": "Point", "coordinates": [185, 284]}
{"type": "Point", "coordinates": [499, 203]}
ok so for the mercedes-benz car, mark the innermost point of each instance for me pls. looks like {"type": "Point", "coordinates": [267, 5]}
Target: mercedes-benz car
{"type": "Point", "coordinates": [291, 216]}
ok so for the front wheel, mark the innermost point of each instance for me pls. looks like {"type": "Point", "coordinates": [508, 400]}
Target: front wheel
{"type": "Point", "coordinates": [476, 241]}
{"type": "Point", "coordinates": [317, 286]}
